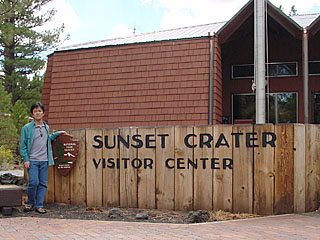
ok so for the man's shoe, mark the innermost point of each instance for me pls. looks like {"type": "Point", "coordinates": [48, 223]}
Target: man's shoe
{"type": "Point", "coordinates": [28, 208]}
{"type": "Point", "coordinates": [41, 210]}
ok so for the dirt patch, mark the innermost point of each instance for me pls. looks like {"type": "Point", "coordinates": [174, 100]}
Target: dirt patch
{"type": "Point", "coordinates": [64, 211]}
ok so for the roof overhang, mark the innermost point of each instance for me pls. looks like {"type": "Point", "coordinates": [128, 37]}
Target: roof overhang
{"type": "Point", "coordinates": [247, 10]}
{"type": "Point", "coordinates": [314, 27]}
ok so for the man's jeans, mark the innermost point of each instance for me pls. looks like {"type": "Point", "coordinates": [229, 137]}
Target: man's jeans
{"type": "Point", "coordinates": [37, 185]}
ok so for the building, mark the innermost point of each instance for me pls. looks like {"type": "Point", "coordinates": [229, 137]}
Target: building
{"type": "Point", "coordinates": [195, 75]}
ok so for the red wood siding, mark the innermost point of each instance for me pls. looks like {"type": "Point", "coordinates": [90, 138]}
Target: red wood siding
{"type": "Point", "coordinates": [217, 86]}
{"type": "Point", "coordinates": [46, 89]}
{"type": "Point", "coordinates": [151, 84]}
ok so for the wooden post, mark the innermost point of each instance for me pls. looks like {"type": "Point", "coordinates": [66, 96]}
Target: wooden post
{"type": "Point", "coordinates": [312, 167]}
{"type": "Point", "coordinates": [146, 172]}
{"type": "Point", "coordinates": [284, 169]}
{"type": "Point", "coordinates": [111, 176]}
{"type": "Point", "coordinates": [222, 178]}
{"type": "Point", "coordinates": [128, 175]}
{"type": "Point", "coordinates": [61, 187]}
{"type": "Point", "coordinates": [299, 168]}
{"type": "Point", "coordinates": [203, 188]}
{"type": "Point", "coordinates": [78, 173]}
{"type": "Point", "coordinates": [242, 170]}
{"type": "Point", "coordinates": [263, 171]}
{"type": "Point", "coordinates": [183, 176]}
{"type": "Point", "coordinates": [50, 185]}
{"type": "Point", "coordinates": [164, 175]}
{"type": "Point", "coordinates": [94, 168]}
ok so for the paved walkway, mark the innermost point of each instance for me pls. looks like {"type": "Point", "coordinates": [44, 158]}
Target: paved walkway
{"type": "Point", "coordinates": [293, 226]}
{"type": "Point", "coordinates": [18, 173]}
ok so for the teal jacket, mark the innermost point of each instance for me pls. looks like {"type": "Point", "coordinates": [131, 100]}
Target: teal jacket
{"type": "Point", "coordinates": [27, 138]}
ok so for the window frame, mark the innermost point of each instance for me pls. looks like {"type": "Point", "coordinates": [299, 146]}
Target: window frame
{"type": "Point", "coordinates": [238, 94]}
{"type": "Point", "coordinates": [267, 64]}
{"type": "Point", "coordinates": [313, 95]}
{"type": "Point", "coordinates": [313, 74]}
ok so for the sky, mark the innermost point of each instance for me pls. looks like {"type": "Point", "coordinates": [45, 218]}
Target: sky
{"type": "Point", "coordinates": [94, 20]}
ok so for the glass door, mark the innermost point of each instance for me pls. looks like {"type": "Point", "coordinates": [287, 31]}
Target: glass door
{"type": "Point", "coordinates": [316, 108]}
{"type": "Point", "coordinates": [282, 107]}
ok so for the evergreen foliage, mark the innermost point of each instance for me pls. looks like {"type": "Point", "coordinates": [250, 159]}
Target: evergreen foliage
{"type": "Point", "coordinates": [21, 45]}
{"type": "Point", "coordinates": [6, 158]}
{"type": "Point", "coordinates": [9, 136]}
{"type": "Point", "coordinates": [19, 115]}
{"type": "Point", "coordinates": [293, 11]}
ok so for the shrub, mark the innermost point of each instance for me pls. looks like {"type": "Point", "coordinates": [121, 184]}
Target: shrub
{"type": "Point", "coordinates": [6, 158]}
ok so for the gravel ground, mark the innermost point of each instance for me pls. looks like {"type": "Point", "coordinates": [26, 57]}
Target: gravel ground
{"type": "Point", "coordinates": [64, 211]}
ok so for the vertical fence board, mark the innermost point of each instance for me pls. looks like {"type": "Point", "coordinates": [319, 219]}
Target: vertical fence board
{"type": "Point", "coordinates": [50, 186]}
{"type": "Point", "coordinates": [61, 188]}
{"type": "Point", "coordinates": [94, 174]}
{"type": "Point", "coordinates": [312, 167]}
{"type": "Point", "coordinates": [164, 175]}
{"type": "Point", "coordinates": [65, 189]}
{"type": "Point", "coordinates": [263, 172]}
{"type": "Point", "coordinates": [222, 178]}
{"type": "Point", "coordinates": [203, 173]}
{"type": "Point", "coordinates": [183, 175]}
{"type": "Point", "coordinates": [111, 176]}
{"type": "Point", "coordinates": [299, 169]}
{"type": "Point", "coordinates": [78, 173]}
{"type": "Point", "coordinates": [284, 169]}
{"type": "Point", "coordinates": [242, 170]}
{"type": "Point", "coordinates": [146, 176]}
{"type": "Point", "coordinates": [129, 175]}
{"type": "Point", "coordinates": [57, 186]}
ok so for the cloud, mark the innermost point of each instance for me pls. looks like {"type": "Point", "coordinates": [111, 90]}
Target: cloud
{"type": "Point", "coordinates": [65, 15]}
{"type": "Point", "coordinates": [302, 6]}
{"type": "Point", "coordinates": [180, 13]}
{"type": "Point", "coordinates": [121, 30]}
{"type": "Point", "coordinates": [199, 12]}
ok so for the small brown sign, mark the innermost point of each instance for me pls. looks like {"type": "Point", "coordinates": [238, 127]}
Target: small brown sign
{"type": "Point", "coordinates": [65, 153]}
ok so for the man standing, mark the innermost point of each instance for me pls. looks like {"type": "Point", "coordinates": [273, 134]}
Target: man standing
{"type": "Point", "coordinates": [36, 152]}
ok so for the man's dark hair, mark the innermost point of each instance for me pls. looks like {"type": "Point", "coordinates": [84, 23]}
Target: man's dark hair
{"type": "Point", "coordinates": [35, 105]}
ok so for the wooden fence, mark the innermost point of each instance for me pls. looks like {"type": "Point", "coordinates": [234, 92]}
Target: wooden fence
{"type": "Point", "coordinates": [262, 169]}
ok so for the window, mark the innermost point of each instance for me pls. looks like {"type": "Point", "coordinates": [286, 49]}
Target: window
{"type": "Point", "coordinates": [282, 69]}
{"type": "Point", "coordinates": [282, 107]}
{"type": "Point", "coordinates": [244, 106]}
{"type": "Point", "coordinates": [242, 71]}
{"type": "Point", "coordinates": [314, 68]}
{"type": "Point", "coordinates": [316, 108]}
{"type": "Point", "coordinates": [274, 70]}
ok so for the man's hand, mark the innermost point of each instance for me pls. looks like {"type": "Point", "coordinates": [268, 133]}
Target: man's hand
{"type": "Point", "coordinates": [62, 132]}
{"type": "Point", "coordinates": [27, 165]}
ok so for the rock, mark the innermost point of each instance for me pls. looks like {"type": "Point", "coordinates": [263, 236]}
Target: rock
{"type": "Point", "coordinates": [198, 216]}
{"type": "Point", "coordinates": [8, 178]}
{"type": "Point", "coordinates": [115, 212]}
{"type": "Point", "coordinates": [142, 216]}
{"type": "Point", "coordinates": [7, 211]}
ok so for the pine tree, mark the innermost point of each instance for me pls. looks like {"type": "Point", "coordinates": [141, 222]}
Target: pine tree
{"type": "Point", "coordinates": [281, 8]}
{"type": "Point", "coordinates": [19, 115]}
{"type": "Point", "coordinates": [8, 132]}
{"type": "Point", "coordinates": [293, 11]}
{"type": "Point", "coordinates": [21, 45]}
